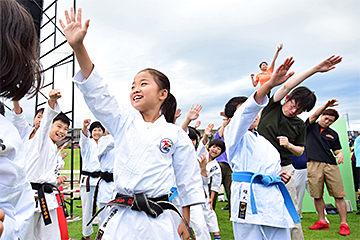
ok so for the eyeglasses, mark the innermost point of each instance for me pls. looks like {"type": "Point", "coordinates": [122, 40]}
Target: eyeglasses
{"type": "Point", "coordinates": [293, 105]}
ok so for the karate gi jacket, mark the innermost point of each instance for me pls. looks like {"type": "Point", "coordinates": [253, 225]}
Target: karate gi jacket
{"type": "Point", "coordinates": [16, 197]}
{"type": "Point", "coordinates": [249, 151]}
{"type": "Point", "coordinates": [147, 156]}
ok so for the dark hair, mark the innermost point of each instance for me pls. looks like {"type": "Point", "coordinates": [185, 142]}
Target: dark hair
{"type": "Point", "coordinates": [331, 112]}
{"type": "Point", "coordinates": [168, 108]}
{"type": "Point", "coordinates": [192, 133]}
{"type": "Point", "coordinates": [63, 118]}
{"type": "Point", "coordinates": [94, 125]}
{"type": "Point", "coordinates": [20, 66]}
{"type": "Point", "coordinates": [262, 63]}
{"type": "Point", "coordinates": [2, 109]}
{"type": "Point", "coordinates": [303, 97]}
{"type": "Point", "coordinates": [218, 143]}
{"type": "Point", "coordinates": [231, 105]}
{"type": "Point", "coordinates": [40, 110]}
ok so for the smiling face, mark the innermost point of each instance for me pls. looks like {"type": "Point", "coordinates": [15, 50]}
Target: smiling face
{"type": "Point", "coordinates": [145, 94]}
{"type": "Point", "coordinates": [263, 66]}
{"type": "Point", "coordinates": [58, 131]}
{"type": "Point", "coordinates": [214, 151]}
{"type": "Point", "coordinates": [97, 133]}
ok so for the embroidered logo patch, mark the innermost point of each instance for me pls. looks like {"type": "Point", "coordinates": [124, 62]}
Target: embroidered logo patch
{"type": "Point", "coordinates": [329, 136]}
{"type": "Point", "coordinates": [165, 145]}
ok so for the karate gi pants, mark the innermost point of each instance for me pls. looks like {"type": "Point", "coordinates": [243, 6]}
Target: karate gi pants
{"type": "Point", "coordinates": [38, 231]}
{"type": "Point", "coordinates": [245, 231]}
{"type": "Point", "coordinates": [87, 199]}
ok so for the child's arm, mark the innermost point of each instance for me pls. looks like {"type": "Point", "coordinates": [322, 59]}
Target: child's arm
{"type": "Point", "coordinates": [193, 114]}
{"type": "Point", "coordinates": [203, 162]}
{"type": "Point", "coordinates": [211, 199]}
{"type": "Point", "coordinates": [19, 121]}
{"type": "Point", "coordinates": [320, 110]}
{"type": "Point", "coordinates": [182, 230]}
{"type": "Point", "coordinates": [86, 123]}
{"type": "Point", "coordinates": [207, 133]}
{"type": "Point", "coordinates": [276, 55]}
{"type": "Point", "coordinates": [49, 113]}
{"type": "Point", "coordinates": [75, 34]}
{"type": "Point", "coordinates": [324, 66]}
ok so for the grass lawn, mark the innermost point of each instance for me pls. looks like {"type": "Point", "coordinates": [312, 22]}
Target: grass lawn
{"type": "Point", "coordinates": [226, 226]}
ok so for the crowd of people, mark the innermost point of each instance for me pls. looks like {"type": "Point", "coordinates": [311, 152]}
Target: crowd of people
{"type": "Point", "coordinates": [147, 178]}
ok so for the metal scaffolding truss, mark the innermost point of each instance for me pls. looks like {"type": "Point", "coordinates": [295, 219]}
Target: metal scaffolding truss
{"type": "Point", "coordinates": [54, 59]}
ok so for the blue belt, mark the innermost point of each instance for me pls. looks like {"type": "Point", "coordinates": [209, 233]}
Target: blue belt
{"type": "Point", "coordinates": [174, 194]}
{"type": "Point", "coordinates": [267, 180]}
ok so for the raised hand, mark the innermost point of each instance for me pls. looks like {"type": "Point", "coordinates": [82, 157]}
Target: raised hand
{"type": "Point", "coordinates": [280, 47]}
{"type": "Point", "coordinates": [194, 112]}
{"type": "Point", "coordinates": [197, 124]}
{"type": "Point", "coordinates": [208, 129]}
{"type": "Point", "coordinates": [74, 31]}
{"type": "Point", "coordinates": [328, 64]}
{"type": "Point", "coordinates": [332, 103]}
{"type": "Point", "coordinates": [202, 162]}
{"type": "Point", "coordinates": [54, 94]}
{"type": "Point", "coordinates": [86, 123]}
{"type": "Point", "coordinates": [279, 76]}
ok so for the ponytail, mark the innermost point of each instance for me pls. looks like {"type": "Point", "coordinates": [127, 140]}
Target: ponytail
{"type": "Point", "coordinates": [168, 108]}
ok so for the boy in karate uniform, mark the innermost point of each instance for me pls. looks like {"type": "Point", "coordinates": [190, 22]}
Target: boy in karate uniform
{"type": "Point", "coordinates": [251, 154]}
{"type": "Point", "coordinates": [42, 169]}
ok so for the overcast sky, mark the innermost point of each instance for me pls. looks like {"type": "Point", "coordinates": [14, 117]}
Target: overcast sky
{"type": "Point", "coordinates": [208, 49]}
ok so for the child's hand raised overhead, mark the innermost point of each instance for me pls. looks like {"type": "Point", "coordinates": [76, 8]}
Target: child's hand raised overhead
{"type": "Point", "coordinates": [208, 129]}
{"type": "Point", "coordinates": [54, 95]}
{"type": "Point", "coordinates": [194, 112]}
{"type": "Point", "coordinates": [86, 122]}
{"type": "Point", "coordinates": [328, 64]}
{"type": "Point", "coordinates": [74, 31]}
{"type": "Point", "coordinates": [203, 162]}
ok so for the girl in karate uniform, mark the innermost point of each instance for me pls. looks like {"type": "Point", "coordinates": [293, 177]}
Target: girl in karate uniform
{"type": "Point", "coordinates": [19, 74]}
{"type": "Point", "coordinates": [149, 148]}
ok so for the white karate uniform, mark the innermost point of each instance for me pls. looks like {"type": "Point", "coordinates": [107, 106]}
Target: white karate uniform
{"type": "Point", "coordinates": [16, 197]}
{"type": "Point", "coordinates": [106, 159]}
{"type": "Point", "coordinates": [89, 154]}
{"type": "Point", "coordinates": [41, 167]}
{"type": "Point", "coordinates": [213, 171]}
{"type": "Point", "coordinates": [147, 155]}
{"type": "Point", "coordinates": [249, 151]}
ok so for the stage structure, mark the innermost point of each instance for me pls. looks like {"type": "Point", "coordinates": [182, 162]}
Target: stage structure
{"type": "Point", "coordinates": [56, 58]}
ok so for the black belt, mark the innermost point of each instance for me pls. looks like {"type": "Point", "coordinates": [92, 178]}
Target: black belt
{"type": "Point", "coordinates": [108, 177]}
{"type": "Point", "coordinates": [90, 174]}
{"type": "Point", "coordinates": [43, 188]}
{"type": "Point", "coordinates": [139, 202]}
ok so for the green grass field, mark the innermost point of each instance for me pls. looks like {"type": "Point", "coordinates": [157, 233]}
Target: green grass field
{"type": "Point", "coordinates": [225, 225]}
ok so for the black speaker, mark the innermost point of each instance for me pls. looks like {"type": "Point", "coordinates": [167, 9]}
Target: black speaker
{"type": "Point", "coordinates": [34, 7]}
